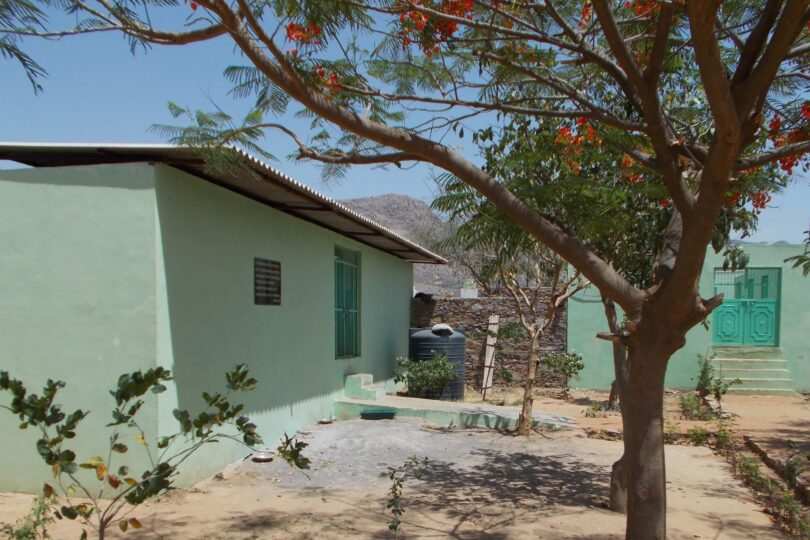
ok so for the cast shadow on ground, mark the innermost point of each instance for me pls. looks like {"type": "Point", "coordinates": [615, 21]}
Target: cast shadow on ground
{"type": "Point", "coordinates": [482, 500]}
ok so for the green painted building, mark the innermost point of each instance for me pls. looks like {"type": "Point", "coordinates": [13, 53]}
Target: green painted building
{"type": "Point", "coordinates": [118, 258]}
{"type": "Point", "coordinates": [760, 334]}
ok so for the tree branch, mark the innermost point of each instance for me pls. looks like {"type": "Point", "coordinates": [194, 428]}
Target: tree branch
{"type": "Point", "coordinates": [756, 40]}
{"type": "Point", "coordinates": [790, 24]}
{"type": "Point", "coordinates": [772, 155]}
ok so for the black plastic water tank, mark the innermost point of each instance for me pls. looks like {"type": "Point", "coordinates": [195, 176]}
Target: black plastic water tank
{"type": "Point", "coordinates": [441, 339]}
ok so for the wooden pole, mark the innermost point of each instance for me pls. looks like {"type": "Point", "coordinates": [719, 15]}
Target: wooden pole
{"type": "Point", "coordinates": [489, 354]}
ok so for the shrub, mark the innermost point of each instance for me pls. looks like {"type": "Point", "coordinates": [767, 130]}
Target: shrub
{"type": "Point", "coordinates": [794, 464]}
{"type": "Point", "coordinates": [724, 437]}
{"type": "Point", "coordinates": [705, 376]}
{"type": "Point", "coordinates": [112, 491]}
{"type": "Point", "coordinates": [423, 377]}
{"type": "Point", "coordinates": [709, 384]}
{"type": "Point", "coordinates": [692, 408]}
{"type": "Point", "coordinates": [567, 364]}
{"type": "Point", "coordinates": [698, 436]}
{"type": "Point", "coordinates": [34, 526]}
{"type": "Point", "coordinates": [412, 468]}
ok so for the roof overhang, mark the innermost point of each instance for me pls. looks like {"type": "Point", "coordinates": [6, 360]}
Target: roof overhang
{"type": "Point", "coordinates": [267, 186]}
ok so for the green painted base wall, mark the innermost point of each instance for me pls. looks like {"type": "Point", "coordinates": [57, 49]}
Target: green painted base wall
{"type": "Point", "coordinates": [77, 299]}
{"type": "Point", "coordinates": [108, 269]}
{"type": "Point", "coordinates": [586, 318]}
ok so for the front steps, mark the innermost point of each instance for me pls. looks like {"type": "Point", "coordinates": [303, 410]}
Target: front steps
{"type": "Point", "coordinates": [361, 386]}
{"type": "Point", "coordinates": [761, 370]}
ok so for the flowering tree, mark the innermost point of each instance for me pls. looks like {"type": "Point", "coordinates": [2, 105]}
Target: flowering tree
{"type": "Point", "coordinates": [703, 97]}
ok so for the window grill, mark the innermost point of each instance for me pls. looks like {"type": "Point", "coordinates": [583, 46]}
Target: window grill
{"type": "Point", "coordinates": [266, 282]}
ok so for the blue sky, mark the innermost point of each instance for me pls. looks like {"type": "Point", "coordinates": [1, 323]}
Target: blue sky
{"type": "Point", "coordinates": [97, 91]}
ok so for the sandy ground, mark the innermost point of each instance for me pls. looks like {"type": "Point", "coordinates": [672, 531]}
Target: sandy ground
{"type": "Point", "coordinates": [479, 484]}
{"type": "Point", "coordinates": [774, 421]}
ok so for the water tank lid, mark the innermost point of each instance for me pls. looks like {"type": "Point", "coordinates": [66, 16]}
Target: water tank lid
{"type": "Point", "coordinates": [442, 329]}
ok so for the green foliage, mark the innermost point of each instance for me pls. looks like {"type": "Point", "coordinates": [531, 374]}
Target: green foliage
{"type": "Point", "coordinates": [33, 526]}
{"type": "Point", "coordinates": [794, 464]}
{"type": "Point", "coordinates": [508, 333]}
{"type": "Point", "coordinates": [709, 384]}
{"type": "Point", "coordinates": [423, 377]}
{"type": "Point", "coordinates": [215, 133]}
{"type": "Point", "coordinates": [597, 409]}
{"type": "Point", "coordinates": [698, 436]}
{"type": "Point", "coordinates": [412, 468]}
{"type": "Point", "coordinates": [802, 260]}
{"type": "Point", "coordinates": [18, 17]}
{"type": "Point", "coordinates": [786, 511]}
{"type": "Point", "coordinates": [705, 375]}
{"type": "Point", "coordinates": [291, 450]}
{"type": "Point", "coordinates": [567, 364]}
{"type": "Point", "coordinates": [112, 488]}
{"type": "Point", "coordinates": [693, 409]}
{"type": "Point", "coordinates": [748, 466]}
{"type": "Point", "coordinates": [724, 438]}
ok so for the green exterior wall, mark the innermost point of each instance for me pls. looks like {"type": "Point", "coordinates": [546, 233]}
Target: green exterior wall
{"type": "Point", "coordinates": [586, 318]}
{"type": "Point", "coordinates": [208, 322]}
{"type": "Point", "coordinates": [77, 299]}
{"type": "Point", "coordinates": [108, 269]}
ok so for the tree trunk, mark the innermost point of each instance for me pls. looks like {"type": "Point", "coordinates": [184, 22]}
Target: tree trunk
{"type": "Point", "coordinates": [618, 475]}
{"type": "Point", "coordinates": [650, 348]}
{"type": "Point", "coordinates": [618, 487]}
{"type": "Point", "coordinates": [613, 398]}
{"type": "Point", "coordinates": [525, 421]}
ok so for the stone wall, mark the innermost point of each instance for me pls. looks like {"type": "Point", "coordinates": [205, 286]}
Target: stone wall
{"type": "Point", "coordinates": [471, 315]}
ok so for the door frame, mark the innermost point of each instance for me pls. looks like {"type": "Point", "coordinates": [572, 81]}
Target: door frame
{"type": "Point", "coordinates": [744, 304]}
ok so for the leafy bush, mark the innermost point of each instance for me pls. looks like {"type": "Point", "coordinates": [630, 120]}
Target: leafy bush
{"type": "Point", "coordinates": [794, 464]}
{"type": "Point", "coordinates": [34, 526]}
{"type": "Point", "coordinates": [709, 384]}
{"type": "Point", "coordinates": [412, 468]}
{"type": "Point", "coordinates": [724, 437]}
{"type": "Point", "coordinates": [705, 375]}
{"type": "Point", "coordinates": [698, 436]}
{"type": "Point", "coordinates": [692, 408]}
{"type": "Point", "coordinates": [111, 493]}
{"type": "Point", "coordinates": [567, 364]}
{"type": "Point", "coordinates": [781, 504]}
{"type": "Point", "coordinates": [423, 377]}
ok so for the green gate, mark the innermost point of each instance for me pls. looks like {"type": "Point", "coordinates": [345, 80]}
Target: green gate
{"type": "Point", "coordinates": [347, 313]}
{"type": "Point", "coordinates": [749, 314]}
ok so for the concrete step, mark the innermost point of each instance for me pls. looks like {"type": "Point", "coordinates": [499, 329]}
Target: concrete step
{"type": "Point", "coordinates": [361, 386]}
{"type": "Point", "coordinates": [761, 391]}
{"type": "Point", "coordinates": [759, 375]}
{"type": "Point", "coordinates": [749, 383]}
{"type": "Point", "coordinates": [752, 373]}
{"type": "Point", "coordinates": [756, 353]}
{"type": "Point", "coordinates": [723, 364]}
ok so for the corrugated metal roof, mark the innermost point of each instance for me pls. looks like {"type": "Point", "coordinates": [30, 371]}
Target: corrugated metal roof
{"type": "Point", "coordinates": [268, 186]}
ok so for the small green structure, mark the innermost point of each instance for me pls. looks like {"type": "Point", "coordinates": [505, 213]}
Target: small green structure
{"type": "Point", "coordinates": [760, 334]}
{"type": "Point", "coordinates": [118, 258]}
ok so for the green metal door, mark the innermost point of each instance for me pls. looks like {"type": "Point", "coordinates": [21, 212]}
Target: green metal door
{"type": "Point", "coordinates": [347, 317]}
{"type": "Point", "coordinates": [749, 314]}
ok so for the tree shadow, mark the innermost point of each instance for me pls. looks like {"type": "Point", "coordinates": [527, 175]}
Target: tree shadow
{"type": "Point", "coordinates": [482, 499]}
{"type": "Point", "coordinates": [515, 478]}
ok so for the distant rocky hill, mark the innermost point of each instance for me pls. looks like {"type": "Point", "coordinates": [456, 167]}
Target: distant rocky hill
{"type": "Point", "coordinates": [413, 219]}
{"type": "Point", "coordinates": [403, 214]}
